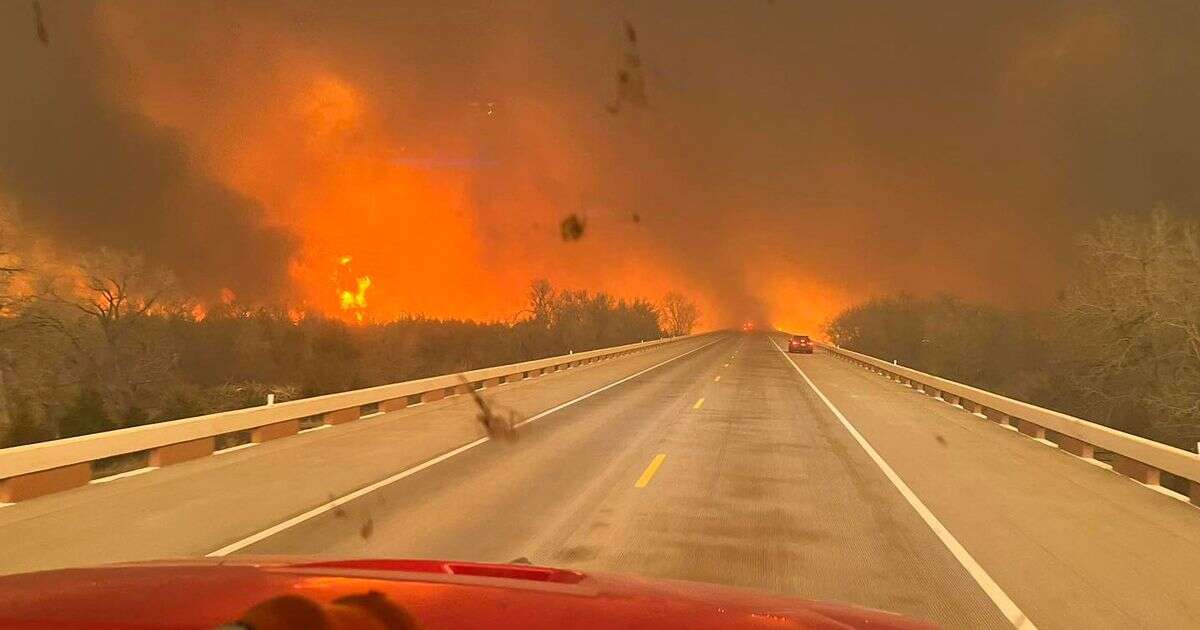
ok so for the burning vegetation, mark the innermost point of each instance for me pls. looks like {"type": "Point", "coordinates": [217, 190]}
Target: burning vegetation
{"type": "Point", "coordinates": [112, 341]}
{"type": "Point", "coordinates": [353, 299]}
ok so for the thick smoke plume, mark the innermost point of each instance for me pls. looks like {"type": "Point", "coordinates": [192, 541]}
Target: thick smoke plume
{"type": "Point", "coordinates": [781, 159]}
{"type": "Point", "coordinates": [80, 163]}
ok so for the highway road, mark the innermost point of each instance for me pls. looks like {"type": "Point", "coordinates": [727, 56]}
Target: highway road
{"type": "Point", "coordinates": [718, 459]}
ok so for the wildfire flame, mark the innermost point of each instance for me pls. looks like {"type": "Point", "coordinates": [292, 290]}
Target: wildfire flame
{"type": "Point", "coordinates": [356, 300]}
{"type": "Point", "coordinates": [438, 238]}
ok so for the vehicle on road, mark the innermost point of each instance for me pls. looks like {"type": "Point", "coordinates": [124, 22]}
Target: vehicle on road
{"type": "Point", "coordinates": [278, 592]}
{"type": "Point", "coordinates": [801, 344]}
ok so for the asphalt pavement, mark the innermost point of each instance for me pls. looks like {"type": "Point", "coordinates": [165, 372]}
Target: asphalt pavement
{"type": "Point", "coordinates": [714, 459]}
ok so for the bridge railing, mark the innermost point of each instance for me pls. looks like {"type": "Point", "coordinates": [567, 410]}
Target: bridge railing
{"type": "Point", "coordinates": [1136, 457]}
{"type": "Point", "coordinates": [37, 469]}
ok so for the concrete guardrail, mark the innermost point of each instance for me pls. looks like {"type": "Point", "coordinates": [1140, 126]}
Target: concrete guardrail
{"type": "Point", "coordinates": [36, 469]}
{"type": "Point", "coordinates": [1136, 457]}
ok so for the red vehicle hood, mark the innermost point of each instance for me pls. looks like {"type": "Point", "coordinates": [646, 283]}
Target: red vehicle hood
{"type": "Point", "coordinates": [439, 595]}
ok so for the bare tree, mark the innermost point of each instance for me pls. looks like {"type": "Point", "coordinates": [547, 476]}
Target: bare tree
{"type": "Point", "coordinates": [679, 314]}
{"type": "Point", "coordinates": [117, 289]}
{"type": "Point", "coordinates": [541, 301]}
{"type": "Point", "coordinates": [1132, 323]}
{"type": "Point", "coordinates": [104, 307]}
{"type": "Point", "coordinates": [9, 267]}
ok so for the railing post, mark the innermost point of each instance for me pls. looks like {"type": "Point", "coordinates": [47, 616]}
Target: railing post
{"type": "Point", "coordinates": [182, 452]}
{"type": "Point", "coordinates": [1078, 448]}
{"type": "Point", "coordinates": [394, 404]}
{"type": "Point", "coordinates": [36, 484]}
{"type": "Point", "coordinates": [340, 416]}
{"type": "Point", "coordinates": [1136, 470]}
{"type": "Point", "coordinates": [1034, 431]}
{"type": "Point", "coordinates": [275, 431]}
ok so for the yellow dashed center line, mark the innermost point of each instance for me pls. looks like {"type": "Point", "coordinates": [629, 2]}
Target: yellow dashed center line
{"type": "Point", "coordinates": [698, 404]}
{"type": "Point", "coordinates": [650, 470]}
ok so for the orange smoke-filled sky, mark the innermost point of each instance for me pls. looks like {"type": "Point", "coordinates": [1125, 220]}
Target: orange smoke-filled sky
{"type": "Point", "coordinates": [774, 161]}
{"type": "Point", "coordinates": [450, 208]}
{"type": "Point", "coordinates": [440, 210]}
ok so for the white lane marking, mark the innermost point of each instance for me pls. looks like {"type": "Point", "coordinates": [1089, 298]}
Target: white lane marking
{"type": "Point", "coordinates": [613, 384]}
{"type": "Point", "coordinates": [325, 507]}
{"type": "Point", "coordinates": [320, 509]}
{"type": "Point", "coordinates": [1006, 605]}
{"type": "Point", "coordinates": [129, 473]}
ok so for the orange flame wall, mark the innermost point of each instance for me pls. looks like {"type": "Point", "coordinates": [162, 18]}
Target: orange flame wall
{"type": "Point", "coordinates": [433, 217]}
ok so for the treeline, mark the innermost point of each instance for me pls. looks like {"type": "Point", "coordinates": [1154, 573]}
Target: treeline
{"type": "Point", "coordinates": [113, 345]}
{"type": "Point", "coordinates": [1121, 345]}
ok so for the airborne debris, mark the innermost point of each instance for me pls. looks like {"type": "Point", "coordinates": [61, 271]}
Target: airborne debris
{"type": "Point", "coordinates": [631, 86]}
{"type": "Point", "coordinates": [41, 25]}
{"type": "Point", "coordinates": [367, 529]}
{"type": "Point", "coordinates": [637, 218]}
{"type": "Point", "coordinates": [338, 511]}
{"type": "Point", "coordinates": [572, 227]}
{"type": "Point", "coordinates": [487, 107]}
{"type": "Point", "coordinates": [940, 440]}
{"type": "Point", "coordinates": [503, 426]}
